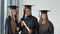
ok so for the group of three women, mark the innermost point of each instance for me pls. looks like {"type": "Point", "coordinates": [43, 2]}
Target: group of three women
{"type": "Point", "coordinates": [13, 27]}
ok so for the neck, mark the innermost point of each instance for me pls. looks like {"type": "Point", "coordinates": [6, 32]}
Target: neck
{"type": "Point", "coordinates": [28, 15]}
{"type": "Point", "coordinates": [43, 21]}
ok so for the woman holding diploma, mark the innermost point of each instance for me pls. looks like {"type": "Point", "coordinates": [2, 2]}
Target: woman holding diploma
{"type": "Point", "coordinates": [28, 23]}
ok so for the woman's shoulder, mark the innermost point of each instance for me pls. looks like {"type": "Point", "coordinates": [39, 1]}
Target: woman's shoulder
{"type": "Point", "coordinates": [8, 18]}
{"type": "Point", "coordinates": [50, 23]}
{"type": "Point", "coordinates": [34, 17]}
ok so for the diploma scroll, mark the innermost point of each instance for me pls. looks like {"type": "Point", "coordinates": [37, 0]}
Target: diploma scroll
{"type": "Point", "coordinates": [25, 25]}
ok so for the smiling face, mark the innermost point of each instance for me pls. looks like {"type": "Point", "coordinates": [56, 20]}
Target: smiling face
{"type": "Point", "coordinates": [13, 12]}
{"type": "Point", "coordinates": [43, 16]}
{"type": "Point", "coordinates": [28, 12]}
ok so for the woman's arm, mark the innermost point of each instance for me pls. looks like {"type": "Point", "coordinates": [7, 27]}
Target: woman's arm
{"type": "Point", "coordinates": [6, 26]}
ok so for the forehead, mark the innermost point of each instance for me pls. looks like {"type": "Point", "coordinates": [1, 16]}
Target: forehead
{"type": "Point", "coordinates": [27, 9]}
{"type": "Point", "coordinates": [43, 14]}
{"type": "Point", "coordinates": [12, 9]}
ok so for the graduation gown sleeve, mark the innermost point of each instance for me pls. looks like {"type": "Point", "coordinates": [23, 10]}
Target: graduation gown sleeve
{"type": "Point", "coordinates": [37, 25]}
{"type": "Point", "coordinates": [6, 27]}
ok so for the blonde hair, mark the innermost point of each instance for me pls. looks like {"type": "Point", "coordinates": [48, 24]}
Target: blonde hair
{"type": "Point", "coordinates": [12, 14]}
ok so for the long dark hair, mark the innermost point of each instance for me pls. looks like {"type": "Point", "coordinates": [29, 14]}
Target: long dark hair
{"type": "Point", "coordinates": [23, 15]}
{"type": "Point", "coordinates": [46, 25]}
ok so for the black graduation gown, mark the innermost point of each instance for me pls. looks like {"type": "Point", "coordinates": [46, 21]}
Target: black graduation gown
{"type": "Point", "coordinates": [49, 31]}
{"type": "Point", "coordinates": [8, 26]}
{"type": "Point", "coordinates": [32, 23]}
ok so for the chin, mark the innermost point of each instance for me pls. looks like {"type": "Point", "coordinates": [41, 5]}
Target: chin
{"type": "Point", "coordinates": [13, 15]}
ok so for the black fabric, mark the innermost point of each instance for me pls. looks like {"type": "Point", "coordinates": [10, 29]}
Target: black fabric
{"type": "Point", "coordinates": [32, 23]}
{"type": "Point", "coordinates": [49, 31]}
{"type": "Point", "coordinates": [28, 6]}
{"type": "Point", "coordinates": [13, 7]}
{"type": "Point", "coordinates": [44, 11]}
{"type": "Point", "coordinates": [8, 26]}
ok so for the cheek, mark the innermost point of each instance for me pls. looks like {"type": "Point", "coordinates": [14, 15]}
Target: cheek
{"type": "Point", "coordinates": [27, 12]}
{"type": "Point", "coordinates": [43, 17]}
{"type": "Point", "coordinates": [14, 13]}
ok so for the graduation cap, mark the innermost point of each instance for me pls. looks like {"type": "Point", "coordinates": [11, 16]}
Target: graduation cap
{"type": "Point", "coordinates": [28, 6]}
{"type": "Point", "coordinates": [44, 11]}
{"type": "Point", "coordinates": [13, 7]}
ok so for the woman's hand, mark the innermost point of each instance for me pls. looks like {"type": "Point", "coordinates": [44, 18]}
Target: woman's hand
{"type": "Point", "coordinates": [17, 28]}
{"type": "Point", "coordinates": [30, 31]}
{"type": "Point", "coordinates": [22, 24]}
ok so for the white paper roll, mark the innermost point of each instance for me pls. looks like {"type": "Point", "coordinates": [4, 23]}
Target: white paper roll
{"type": "Point", "coordinates": [25, 25]}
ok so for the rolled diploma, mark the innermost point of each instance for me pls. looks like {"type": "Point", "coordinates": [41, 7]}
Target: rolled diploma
{"type": "Point", "coordinates": [25, 25]}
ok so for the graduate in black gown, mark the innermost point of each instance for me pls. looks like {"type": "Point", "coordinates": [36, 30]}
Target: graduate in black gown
{"type": "Point", "coordinates": [30, 21]}
{"type": "Point", "coordinates": [45, 26]}
{"type": "Point", "coordinates": [11, 24]}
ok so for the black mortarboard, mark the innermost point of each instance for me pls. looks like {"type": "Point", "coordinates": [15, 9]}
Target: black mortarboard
{"type": "Point", "coordinates": [13, 7]}
{"type": "Point", "coordinates": [44, 11]}
{"type": "Point", "coordinates": [28, 6]}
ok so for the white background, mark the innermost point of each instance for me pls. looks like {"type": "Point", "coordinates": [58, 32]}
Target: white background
{"type": "Point", "coordinates": [0, 16]}
{"type": "Point", "coordinates": [52, 5]}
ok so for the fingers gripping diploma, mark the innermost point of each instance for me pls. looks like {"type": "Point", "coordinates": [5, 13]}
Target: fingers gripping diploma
{"type": "Point", "coordinates": [30, 31]}
{"type": "Point", "coordinates": [17, 28]}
